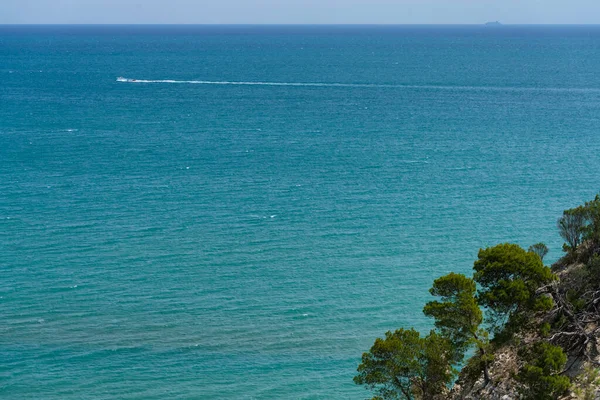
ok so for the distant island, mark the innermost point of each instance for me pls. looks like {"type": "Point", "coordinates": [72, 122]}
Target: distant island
{"type": "Point", "coordinates": [493, 23]}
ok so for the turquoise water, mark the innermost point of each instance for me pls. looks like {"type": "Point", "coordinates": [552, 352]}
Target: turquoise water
{"type": "Point", "coordinates": [193, 238]}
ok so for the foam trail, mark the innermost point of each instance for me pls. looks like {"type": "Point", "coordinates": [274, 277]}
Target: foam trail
{"type": "Point", "coordinates": [369, 85]}
{"type": "Point", "coordinates": [127, 80]}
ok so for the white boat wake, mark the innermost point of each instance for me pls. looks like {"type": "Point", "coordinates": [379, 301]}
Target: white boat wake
{"type": "Point", "coordinates": [368, 85]}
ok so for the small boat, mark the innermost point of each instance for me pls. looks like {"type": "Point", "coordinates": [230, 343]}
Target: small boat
{"type": "Point", "coordinates": [121, 79]}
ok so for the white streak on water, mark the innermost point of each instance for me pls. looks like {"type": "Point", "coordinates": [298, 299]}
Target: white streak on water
{"type": "Point", "coordinates": [370, 85]}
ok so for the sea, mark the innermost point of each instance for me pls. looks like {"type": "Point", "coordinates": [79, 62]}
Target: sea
{"type": "Point", "coordinates": [237, 212]}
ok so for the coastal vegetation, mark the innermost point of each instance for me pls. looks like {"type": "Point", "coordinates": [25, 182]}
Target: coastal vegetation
{"type": "Point", "coordinates": [515, 329]}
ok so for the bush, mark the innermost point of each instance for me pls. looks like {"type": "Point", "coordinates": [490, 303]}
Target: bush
{"type": "Point", "coordinates": [587, 384]}
{"type": "Point", "coordinates": [541, 374]}
{"type": "Point", "coordinates": [593, 269]}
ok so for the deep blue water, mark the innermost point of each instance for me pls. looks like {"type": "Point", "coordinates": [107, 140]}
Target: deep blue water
{"type": "Point", "coordinates": [189, 239]}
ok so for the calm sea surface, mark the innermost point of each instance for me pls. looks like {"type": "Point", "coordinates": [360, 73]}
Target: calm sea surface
{"type": "Point", "coordinates": [247, 221]}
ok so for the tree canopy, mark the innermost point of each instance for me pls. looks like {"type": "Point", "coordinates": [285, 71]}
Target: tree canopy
{"type": "Point", "coordinates": [540, 249]}
{"type": "Point", "coordinates": [581, 224]}
{"type": "Point", "coordinates": [457, 315]}
{"type": "Point", "coordinates": [571, 227]}
{"type": "Point", "coordinates": [406, 366]}
{"type": "Point", "coordinates": [509, 277]}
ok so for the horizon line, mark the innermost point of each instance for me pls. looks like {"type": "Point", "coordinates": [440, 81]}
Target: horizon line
{"type": "Point", "coordinates": [290, 24]}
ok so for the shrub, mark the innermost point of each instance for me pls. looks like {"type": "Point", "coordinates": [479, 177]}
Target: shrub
{"type": "Point", "coordinates": [540, 376]}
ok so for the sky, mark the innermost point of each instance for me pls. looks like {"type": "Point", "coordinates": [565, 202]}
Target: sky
{"type": "Point", "coordinates": [299, 11]}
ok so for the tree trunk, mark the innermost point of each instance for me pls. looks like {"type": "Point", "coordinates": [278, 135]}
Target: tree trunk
{"type": "Point", "coordinates": [486, 372]}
